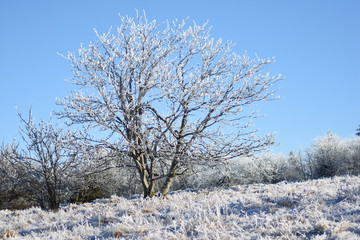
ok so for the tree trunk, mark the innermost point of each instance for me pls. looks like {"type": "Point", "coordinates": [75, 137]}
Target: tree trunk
{"type": "Point", "coordinates": [149, 191]}
{"type": "Point", "coordinates": [148, 187]}
{"type": "Point", "coordinates": [52, 197]}
{"type": "Point", "coordinates": [168, 183]}
{"type": "Point", "coordinates": [146, 177]}
{"type": "Point", "coordinates": [170, 178]}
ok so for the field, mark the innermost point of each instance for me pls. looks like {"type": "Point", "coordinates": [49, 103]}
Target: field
{"type": "Point", "coordinates": [317, 209]}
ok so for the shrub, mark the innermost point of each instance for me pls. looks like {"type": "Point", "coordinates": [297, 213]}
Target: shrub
{"type": "Point", "coordinates": [332, 156]}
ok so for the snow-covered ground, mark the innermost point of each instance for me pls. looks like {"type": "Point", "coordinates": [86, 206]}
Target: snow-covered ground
{"type": "Point", "coordinates": [318, 209]}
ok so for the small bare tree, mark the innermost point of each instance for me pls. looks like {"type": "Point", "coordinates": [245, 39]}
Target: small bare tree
{"type": "Point", "coordinates": [50, 161]}
{"type": "Point", "coordinates": [170, 96]}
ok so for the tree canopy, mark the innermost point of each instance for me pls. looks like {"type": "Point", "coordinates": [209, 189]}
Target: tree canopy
{"type": "Point", "coordinates": [169, 95]}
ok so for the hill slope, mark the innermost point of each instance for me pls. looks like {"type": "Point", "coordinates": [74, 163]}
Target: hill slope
{"type": "Point", "coordinates": [318, 209]}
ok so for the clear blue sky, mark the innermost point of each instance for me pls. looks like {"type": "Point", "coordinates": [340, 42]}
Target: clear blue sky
{"type": "Point", "coordinates": [316, 44]}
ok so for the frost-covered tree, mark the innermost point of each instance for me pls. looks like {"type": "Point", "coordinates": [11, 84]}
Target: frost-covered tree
{"type": "Point", "coordinates": [49, 162]}
{"type": "Point", "coordinates": [331, 155]}
{"type": "Point", "coordinates": [323, 156]}
{"type": "Point", "coordinates": [169, 95]}
{"type": "Point", "coordinates": [358, 132]}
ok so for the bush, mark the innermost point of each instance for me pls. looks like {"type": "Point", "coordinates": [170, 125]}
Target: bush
{"type": "Point", "coordinates": [332, 156]}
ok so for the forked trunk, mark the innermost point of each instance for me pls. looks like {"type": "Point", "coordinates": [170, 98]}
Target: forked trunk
{"type": "Point", "coordinates": [146, 177]}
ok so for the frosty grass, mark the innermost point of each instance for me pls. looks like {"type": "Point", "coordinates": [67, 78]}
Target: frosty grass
{"type": "Point", "coordinates": [317, 209]}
